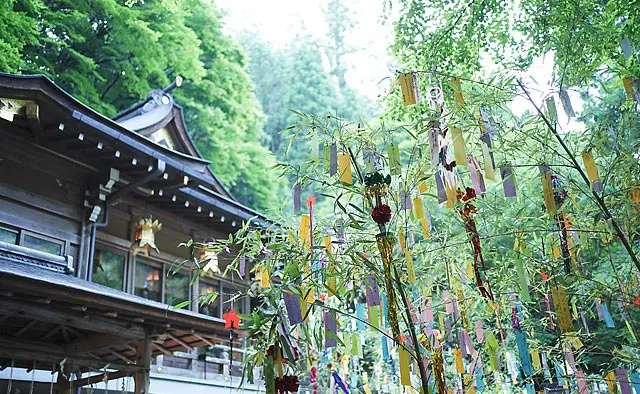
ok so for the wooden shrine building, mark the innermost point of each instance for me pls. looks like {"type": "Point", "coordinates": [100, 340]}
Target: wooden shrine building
{"type": "Point", "coordinates": [77, 301]}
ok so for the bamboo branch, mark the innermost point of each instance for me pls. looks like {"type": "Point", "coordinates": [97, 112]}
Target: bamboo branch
{"type": "Point", "coordinates": [599, 200]}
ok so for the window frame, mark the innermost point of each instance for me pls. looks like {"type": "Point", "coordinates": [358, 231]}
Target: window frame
{"type": "Point", "coordinates": [166, 267]}
{"type": "Point", "coordinates": [116, 249]}
{"type": "Point", "coordinates": [12, 229]}
{"type": "Point", "coordinates": [63, 244]}
{"type": "Point", "coordinates": [152, 263]}
{"type": "Point", "coordinates": [210, 282]}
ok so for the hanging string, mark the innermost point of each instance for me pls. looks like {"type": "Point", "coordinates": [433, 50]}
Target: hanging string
{"type": "Point", "coordinates": [10, 383]}
{"type": "Point", "coordinates": [33, 377]}
{"type": "Point", "coordinates": [53, 373]}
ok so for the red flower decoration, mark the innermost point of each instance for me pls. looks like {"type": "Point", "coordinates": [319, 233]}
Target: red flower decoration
{"type": "Point", "coordinates": [287, 384]}
{"type": "Point", "coordinates": [381, 214]}
{"type": "Point", "coordinates": [470, 194]}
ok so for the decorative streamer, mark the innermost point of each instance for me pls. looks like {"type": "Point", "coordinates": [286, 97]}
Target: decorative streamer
{"type": "Point", "coordinates": [424, 224]}
{"type": "Point", "coordinates": [552, 113]}
{"type": "Point", "coordinates": [523, 352]}
{"type": "Point", "coordinates": [566, 104]}
{"type": "Point", "coordinates": [385, 348]}
{"type": "Point", "coordinates": [344, 166]}
{"type": "Point", "coordinates": [623, 380]}
{"type": "Point", "coordinates": [385, 246]}
{"type": "Point", "coordinates": [522, 279]}
{"type": "Point", "coordinates": [304, 233]}
{"type": "Point", "coordinates": [330, 326]}
{"type": "Point", "coordinates": [592, 171]}
{"type": "Point", "coordinates": [545, 367]}
{"type": "Point", "coordinates": [374, 318]}
{"type": "Point", "coordinates": [385, 311]}
{"type": "Point", "coordinates": [535, 360]}
{"type": "Point", "coordinates": [292, 304]}
{"type": "Point", "coordinates": [486, 125]}
{"type": "Point", "coordinates": [479, 379]}
{"type": "Point", "coordinates": [242, 264]}
{"type": "Point", "coordinates": [457, 356]}
{"type": "Point", "coordinates": [547, 189]}
{"type": "Point", "coordinates": [611, 382]}
{"type": "Point", "coordinates": [508, 180]}
{"type": "Point", "coordinates": [361, 314]}
{"type": "Point", "coordinates": [562, 309]}
{"type": "Point", "coordinates": [476, 175]}
{"type": "Point", "coordinates": [418, 208]}
{"type": "Point", "coordinates": [457, 93]}
{"type": "Point", "coordinates": [265, 278]}
{"type": "Point", "coordinates": [405, 368]}
{"type": "Point", "coordinates": [607, 316]}
{"type": "Point", "coordinates": [411, 272]}
{"type": "Point", "coordinates": [581, 382]}
{"type": "Point", "coordinates": [479, 331]}
{"type": "Point", "coordinates": [442, 192]}
{"type": "Point", "coordinates": [410, 90]}
{"type": "Point", "coordinates": [405, 199]}
{"type": "Point", "coordinates": [458, 146]}
{"type": "Point", "coordinates": [492, 347]}
{"type": "Point", "coordinates": [428, 311]}
{"type": "Point", "coordinates": [372, 291]}
{"type": "Point", "coordinates": [326, 158]}
{"type": "Point", "coordinates": [395, 168]}
{"type": "Point", "coordinates": [487, 156]}
{"type": "Point", "coordinates": [562, 382]}
{"type": "Point", "coordinates": [340, 383]}
{"type": "Point", "coordinates": [635, 379]}
{"type": "Point", "coordinates": [437, 367]}
{"type": "Point", "coordinates": [628, 87]}
{"type": "Point", "coordinates": [297, 192]}
{"type": "Point", "coordinates": [333, 159]}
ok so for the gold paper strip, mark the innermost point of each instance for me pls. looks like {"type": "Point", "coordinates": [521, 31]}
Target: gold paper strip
{"type": "Point", "coordinates": [547, 190]}
{"type": "Point", "coordinates": [489, 171]}
{"type": "Point", "coordinates": [457, 93]}
{"type": "Point", "coordinates": [457, 355]}
{"type": "Point", "coordinates": [458, 146]}
{"type": "Point", "coordinates": [562, 309]}
{"type": "Point", "coordinates": [405, 368]}
{"type": "Point", "coordinates": [344, 167]}
{"type": "Point", "coordinates": [418, 209]}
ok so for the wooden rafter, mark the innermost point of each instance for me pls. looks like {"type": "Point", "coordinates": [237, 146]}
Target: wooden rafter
{"type": "Point", "coordinates": [180, 342]}
{"type": "Point", "coordinates": [25, 328]}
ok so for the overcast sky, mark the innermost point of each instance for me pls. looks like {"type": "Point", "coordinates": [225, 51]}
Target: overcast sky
{"type": "Point", "coordinates": [279, 21]}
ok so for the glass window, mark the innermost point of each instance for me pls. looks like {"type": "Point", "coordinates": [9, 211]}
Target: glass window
{"type": "Point", "coordinates": [43, 245]}
{"type": "Point", "coordinates": [148, 281]}
{"type": "Point", "coordinates": [8, 236]}
{"type": "Point", "coordinates": [238, 302]}
{"type": "Point", "coordinates": [212, 307]}
{"type": "Point", "coordinates": [176, 288]}
{"type": "Point", "coordinates": [108, 269]}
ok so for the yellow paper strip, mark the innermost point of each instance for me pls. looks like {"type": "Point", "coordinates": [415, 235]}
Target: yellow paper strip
{"type": "Point", "coordinates": [590, 166]}
{"type": "Point", "coordinates": [405, 372]}
{"type": "Point", "coordinates": [451, 196]}
{"type": "Point", "coordinates": [304, 232]}
{"type": "Point", "coordinates": [489, 171]}
{"type": "Point", "coordinates": [458, 146]}
{"type": "Point", "coordinates": [418, 209]}
{"type": "Point", "coordinates": [403, 243]}
{"type": "Point", "coordinates": [535, 360]}
{"type": "Point", "coordinates": [457, 356]}
{"type": "Point", "coordinates": [425, 228]}
{"type": "Point", "coordinates": [411, 272]}
{"type": "Point", "coordinates": [547, 190]}
{"type": "Point", "coordinates": [374, 318]}
{"type": "Point", "coordinates": [483, 129]}
{"type": "Point", "coordinates": [457, 93]}
{"type": "Point", "coordinates": [562, 309]}
{"type": "Point", "coordinates": [628, 87]}
{"type": "Point", "coordinates": [367, 390]}
{"type": "Point", "coordinates": [344, 167]}
{"type": "Point", "coordinates": [265, 281]}
{"type": "Point", "coordinates": [408, 83]}
{"type": "Point", "coordinates": [611, 382]}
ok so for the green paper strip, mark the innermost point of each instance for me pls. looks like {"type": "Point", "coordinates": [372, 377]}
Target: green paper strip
{"type": "Point", "coordinates": [326, 153]}
{"type": "Point", "coordinates": [522, 279]}
{"type": "Point", "coordinates": [394, 160]}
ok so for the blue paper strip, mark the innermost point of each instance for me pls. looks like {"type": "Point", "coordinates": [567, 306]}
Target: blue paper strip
{"type": "Point", "coordinates": [523, 352]}
{"type": "Point", "coordinates": [385, 311]}
{"type": "Point", "coordinates": [479, 379]}
{"type": "Point", "coordinates": [385, 348]}
{"type": "Point", "coordinates": [635, 379]}
{"type": "Point", "coordinates": [560, 374]}
{"type": "Point", "coordinates": [608, 320]}
{"type": "Point", "coordinates": [360, 313]}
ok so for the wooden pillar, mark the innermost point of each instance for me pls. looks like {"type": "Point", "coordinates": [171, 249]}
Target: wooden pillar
{"type": "Point", "coordinates": [143, 358]}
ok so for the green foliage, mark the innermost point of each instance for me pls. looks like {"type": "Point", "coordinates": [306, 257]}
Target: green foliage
{"type": "Point", "coordinates": [111, 53]}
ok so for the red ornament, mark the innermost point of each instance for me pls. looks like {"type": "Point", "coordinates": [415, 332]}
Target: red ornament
{"type": "Point", "coordinates": [636, 300]}
{"type": "Point", "coordinates": [231, 319]}
{"type": "Point", "coordinates": [381, 214]}
{"type": "Point", "coordinates": [287, 384]}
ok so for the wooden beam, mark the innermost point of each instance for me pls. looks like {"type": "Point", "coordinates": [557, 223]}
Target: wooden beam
{"type": "Point", "coordinates": [180, 342]}
{"type": "Point", "coordinates": [163, 349]}
{"type": "Point", "coordinates": [52, 332]}
{"type": "Point", "coordinates": [33, 117]}
{"type": "Point", "coordinates": [143, 358]}
{"type": "Point", "coordinates": [94, 342]}
{"type": "Point", "coordinates": [77, 320]}
{"type": "Point", "coordinates": [25, 328]}
{"type": "Point", "coordinates": [52, 353]}
{"type": "Point", "coordinates": [76, 384]}
{"type": "Point", "coordinates": [121, 357]}
{"type": "Point", "coordinates": [205, 340]}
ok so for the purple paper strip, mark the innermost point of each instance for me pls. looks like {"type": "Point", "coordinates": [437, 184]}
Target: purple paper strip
{"type": "Point", "coordinates": [429, 310]}
{"type": "Point", "coordinates": [582, 383]}
{"type": "Point", "coordinates": [373, 292]}
{"type": "Point", "coordinates": [584, 323]}
{"type": "Point", "coordinates": [463, 344]}
{"type": "Point", "coordinates": [599, 310]}
{"type": "Point", "coordinates": [473, 172]}
{"type": "Point", "coordinates": [292, 304]}
{"type": "Point", "coordinates": [333, 159]}
{"type": "Point", "coordinates": [442, 193]}
{"type": "Point", "coordinates": [242, 263]}
{"type": "Point", "coordinates": [623, 379]}
{"type": "Point", "coordinates": [566, 104]}
{"type": "Point", "coordinates": [479, 331]}
{"type": "Point", "coordinates": [448, 305]}
{"type": "Point", "coordinates": [405, 199]}
{"type": "Point", "coordinates": [468, 343]}
{"type": "Point", "coordinates": [412, 312]}
{"type": "Point", "coordinates": [447, 327]}
{"type": "Point", "coordinates": [508, 183]}
{"type": "Point", "coordinates": [330, 325]}
{"type": "Point", "coordinates": [597, 185]}
{"type": "Point", "coordinates": [297, 192]}
{"type": "Point", "coordinates": [570, 358]}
